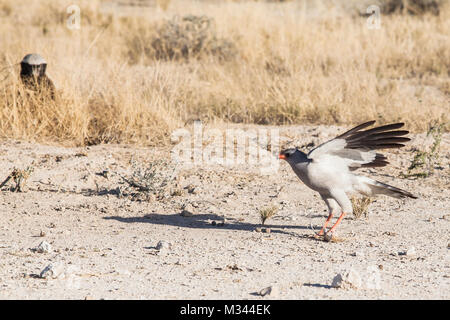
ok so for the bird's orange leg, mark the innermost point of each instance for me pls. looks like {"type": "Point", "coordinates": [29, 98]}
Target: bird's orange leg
{"type": "Point", "coordinates": [337, 223]}
{"type": "Point", "coordinates": [321, 232]}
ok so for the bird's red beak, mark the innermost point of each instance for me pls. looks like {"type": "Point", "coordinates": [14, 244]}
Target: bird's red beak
{"type": "Point", "coordinates": [281, 156]}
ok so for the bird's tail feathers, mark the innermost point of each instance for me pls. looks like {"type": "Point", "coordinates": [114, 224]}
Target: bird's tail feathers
{"type": "Point", "coordinates": [377, 187]}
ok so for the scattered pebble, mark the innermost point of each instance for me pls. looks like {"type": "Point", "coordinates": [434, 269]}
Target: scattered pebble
{"type": "Point", "coordinates": [219, 224]}
{"type": "Point", "coordinates": [358, 254]}
{"type": "Point", "coordinates": [411, 251]}
{"type": "Point", "coordinates": [105, 174]}
{"type": "Point", "coordinates": [43, 247]}
{"type": "Point", "coordinates": [188, 210]}
{"type": "Point", "coordinates": [186, 213]}
{"type": "Point", "coordinates": [269, 291]}
{"type": "Point", "coordinates": [347, 280]}
{"type": "Point", "coordinates": [53, 271]}
{"type": "Point", "coordinates": [162, 245]}
{"type": "Point", "coordinates": [191, 189]}
{"type": "Point", "coordinates": [327, 237]}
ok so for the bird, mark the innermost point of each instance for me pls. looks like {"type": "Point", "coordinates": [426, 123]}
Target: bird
{"type": "Point", "coordinates": [33, 76]}
{"type": "Point", "coordinates": [328, 169]}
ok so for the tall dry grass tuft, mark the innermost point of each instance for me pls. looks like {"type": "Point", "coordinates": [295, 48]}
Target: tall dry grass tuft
{"type": "Point", "coordinates": [292, 62]}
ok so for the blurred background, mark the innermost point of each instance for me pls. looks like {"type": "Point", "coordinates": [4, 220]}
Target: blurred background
{"type": "Point", "coordinates": [134, 71]}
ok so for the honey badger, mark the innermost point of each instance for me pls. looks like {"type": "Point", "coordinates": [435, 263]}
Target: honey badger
{"type": "Point", "coordinates": [32, 74]}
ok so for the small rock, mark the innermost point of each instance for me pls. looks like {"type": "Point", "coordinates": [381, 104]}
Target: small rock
{"type": "Point", "coordinates": [195, 204]}
{"type": "Point", "coordinates": [266, 230]}
{"type": "Point", "coordinates": [42, 234]}
{"type": "Point", "coordinates": [43, 247]}
{"type": "Point", "coordinates": [411, 252]}
{"type": "Point", "coordinates": [327, 237]}
{"type": "Point", "coordinates": [358, 254]}
{"type": "Point", "coordinates": [186, 213]}
{"type": "Point", "coordinates": [53, 271]}
{"type": "Point", "coordinates": [163, 245]}
{"type": "Point", "coordinates": [269, 291]}
{"type": "Point", "coordinates": [188, 210]}
{"type": "Point", "coordinates": [258, 229]}
{"type": "Point", "coordinates": [105, 173]}
{"type": "Point", "coordinates": [191, 189]}
{"type": "Point", "coordinates": [347, 280]}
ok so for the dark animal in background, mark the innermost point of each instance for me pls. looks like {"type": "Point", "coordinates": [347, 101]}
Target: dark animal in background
{"type": "Point", "coordinates": [32, 74]}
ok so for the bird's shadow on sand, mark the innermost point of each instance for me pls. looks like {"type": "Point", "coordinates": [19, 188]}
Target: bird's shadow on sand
{"type": "Point", "coordinates": [205, 221]}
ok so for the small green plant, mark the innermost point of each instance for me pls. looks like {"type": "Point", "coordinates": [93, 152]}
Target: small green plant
{"type": "Point", "coordinates": [151, 180]}
{"type": "Point", "coordinates": [424, 162]}
{"type": "Point", "coordinates": [360, 206]}
{"type": "Point", "coordinates": [20, 177]}
{"type": "Point", "coordinates": [267, 213]}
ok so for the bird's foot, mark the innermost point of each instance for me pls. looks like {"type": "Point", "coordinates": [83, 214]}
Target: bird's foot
{"type": "Point", "coordinates": [318, 236]}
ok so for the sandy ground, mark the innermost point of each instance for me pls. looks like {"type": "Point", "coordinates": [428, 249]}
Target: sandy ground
{"type": "Point", "coordinates": [104, 243]}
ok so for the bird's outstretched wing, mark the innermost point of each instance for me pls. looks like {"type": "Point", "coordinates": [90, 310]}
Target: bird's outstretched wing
{"type": "Point", "coordinates": [357, 147]}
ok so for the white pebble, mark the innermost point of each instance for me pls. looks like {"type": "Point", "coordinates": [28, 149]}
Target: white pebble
{"type": "Point", "coordinates": [163, 245]}
{"type": "Point", "coordinates": [44, 247]}
{"type": "Point", "coordinates": [269, 291]}
{"type": "Point", "coordinates": [411, 251]}
{"type": "Point", "coordinates": [53, 271]}
{"type": "Point", "coordinates": [347, 280]}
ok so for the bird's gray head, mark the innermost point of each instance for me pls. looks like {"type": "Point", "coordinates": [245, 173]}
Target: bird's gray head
{"type": "Point", "coordinates": [33, 65]}
{"type": "Point", "coordinates": [293, 155]}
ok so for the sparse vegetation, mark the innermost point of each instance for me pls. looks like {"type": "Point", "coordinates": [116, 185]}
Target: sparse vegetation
{"type": "Point", "coordinates": [360, 206]}
{"type": "Point", "coordinates": [20, 177]}
{"type": "Point", "coordinates": [267, 213]}
{"type": "Point", "coordinates": [152, 180]}
{"type": "Point", "coordinates": [424, 162]}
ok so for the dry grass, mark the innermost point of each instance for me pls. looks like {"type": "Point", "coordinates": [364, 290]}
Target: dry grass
{"type": "Point", "coordinates": [19, 177]}
{"type": "Point", "coordinates": [323, 66]}
{"type": "Point", "coordinates": [267, 213]}
{"type": "Point", "coordinates": [360, 206]}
